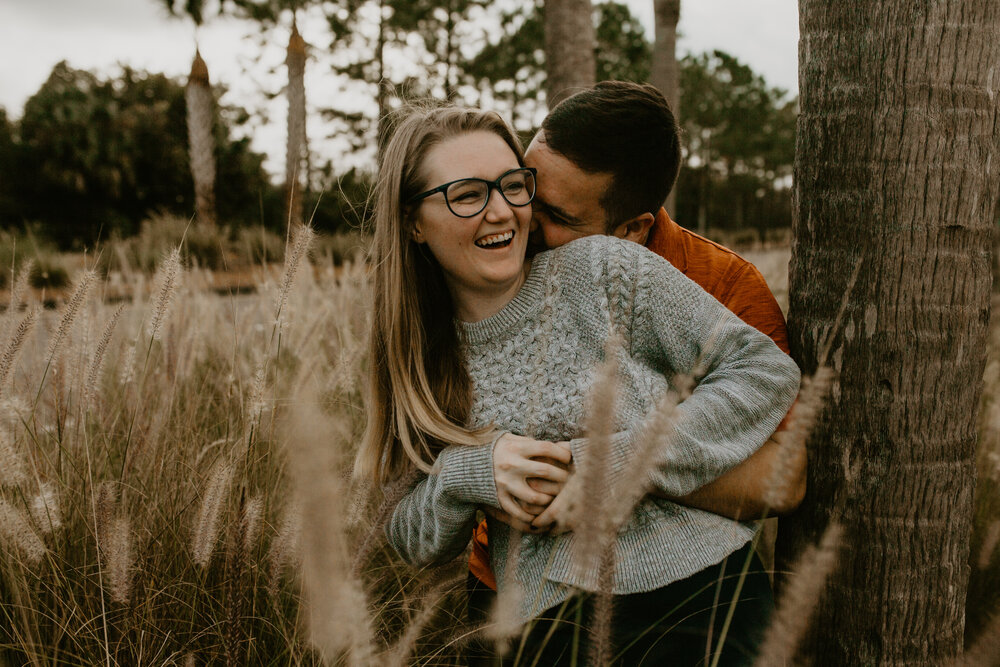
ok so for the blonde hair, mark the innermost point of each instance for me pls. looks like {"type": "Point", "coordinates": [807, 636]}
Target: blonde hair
{"type": "Point", "coordinates": [419, 391]}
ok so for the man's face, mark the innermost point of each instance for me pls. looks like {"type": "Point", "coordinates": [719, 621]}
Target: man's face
{"type": "Point", "coordinates": [567, 203]}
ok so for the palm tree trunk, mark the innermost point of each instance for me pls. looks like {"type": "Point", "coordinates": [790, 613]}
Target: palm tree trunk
{"type": "Point", "coordinates": [665, 74]}
{"type": "Point", "coordinates": [201, 142]}
{"type": "Point", "coordinates": [569, 48]}
{"type": "Point", "coordinates": [897, 167]}
{"type": "Point", "coordinates": [296, 62]}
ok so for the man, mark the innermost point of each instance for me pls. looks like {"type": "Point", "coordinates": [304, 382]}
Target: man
{"type": "Point", "coordinates": [606, 158]}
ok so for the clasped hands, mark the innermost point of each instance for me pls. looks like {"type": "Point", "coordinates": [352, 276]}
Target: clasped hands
{"type": "Point", "coordinates": [530, 476]}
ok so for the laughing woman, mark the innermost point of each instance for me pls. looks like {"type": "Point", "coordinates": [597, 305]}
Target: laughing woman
{"type": "Point", "coordinates": [473, 349]}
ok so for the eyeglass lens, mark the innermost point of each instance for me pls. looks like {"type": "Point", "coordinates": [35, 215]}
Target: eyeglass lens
{"type": "Point", "coordinates": [469, 197]}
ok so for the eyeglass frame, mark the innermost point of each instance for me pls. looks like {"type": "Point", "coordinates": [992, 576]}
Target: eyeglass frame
{"type": "Point", "coordinates": [490, 187]}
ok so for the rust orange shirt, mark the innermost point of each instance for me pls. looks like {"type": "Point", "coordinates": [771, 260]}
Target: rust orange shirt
{"type": "Point", "coordinates": [733, 281]}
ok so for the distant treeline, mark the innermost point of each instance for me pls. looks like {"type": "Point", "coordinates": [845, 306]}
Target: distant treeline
{"type": "Point", "coordinates": [90, 158]}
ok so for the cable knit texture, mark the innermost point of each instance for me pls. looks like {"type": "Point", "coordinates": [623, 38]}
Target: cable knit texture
{"type": "Point", "coordinates": [532, 366]}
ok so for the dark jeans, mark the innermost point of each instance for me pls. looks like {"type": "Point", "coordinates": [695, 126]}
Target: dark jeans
{"type": "Point", "coordinates": [673, 625]}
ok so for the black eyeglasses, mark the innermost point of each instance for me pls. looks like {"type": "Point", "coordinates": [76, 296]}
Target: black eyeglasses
{"type": "Point", "coordinates": [467, 197]}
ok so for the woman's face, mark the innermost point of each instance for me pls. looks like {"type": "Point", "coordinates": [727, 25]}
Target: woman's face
{"type": "Point", "coordinates": [482, 255]}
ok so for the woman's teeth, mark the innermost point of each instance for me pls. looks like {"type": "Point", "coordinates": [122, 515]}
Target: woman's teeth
{"type": "Point", "coordinates": [495, 240]}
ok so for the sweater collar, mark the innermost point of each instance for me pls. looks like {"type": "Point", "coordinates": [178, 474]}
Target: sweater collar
{"type": "Point", "coordinates": [528, 299]}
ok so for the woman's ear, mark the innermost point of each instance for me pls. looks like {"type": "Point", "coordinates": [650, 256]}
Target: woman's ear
{"type": "Point", "coordinates": [416, 233]}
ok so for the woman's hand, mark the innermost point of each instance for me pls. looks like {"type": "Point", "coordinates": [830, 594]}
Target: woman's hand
{"type": "Point", "coordinates": [518, 459]}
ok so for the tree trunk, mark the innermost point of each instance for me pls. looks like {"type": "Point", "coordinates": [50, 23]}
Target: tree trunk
{"type": "Point", "coordinates": [201, 140]}
{"type": "Point", "coordinates": [897, 167]}
{"type": "Point", "coordinates": [569, 48]}
{"type": "Point", "coordinates": [382, 129]}
{"type": "Point", "coordinates": [665, 74]}
{"type": "Point", "coordinates": [296, 63]}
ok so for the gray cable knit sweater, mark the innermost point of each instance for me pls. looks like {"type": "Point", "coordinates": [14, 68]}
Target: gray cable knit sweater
{"type": "Point", "coordinates": [532, 365]}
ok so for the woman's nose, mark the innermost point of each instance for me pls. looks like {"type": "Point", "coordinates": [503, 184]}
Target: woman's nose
{"type": "Point", "coordinates": [497, 207]}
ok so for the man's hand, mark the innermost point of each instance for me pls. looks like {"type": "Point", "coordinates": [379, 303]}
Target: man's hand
{"type": "Point", "coordinates": [521, 463]}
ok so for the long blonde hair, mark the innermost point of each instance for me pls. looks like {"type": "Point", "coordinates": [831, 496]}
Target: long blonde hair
{"type": "Point", "coordinates": [419, 391]}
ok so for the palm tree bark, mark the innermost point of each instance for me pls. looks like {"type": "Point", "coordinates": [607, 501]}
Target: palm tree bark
{"type": "Point", "coordinates": [569, 48]}
{"type": "Point", "coordinates": [897, 168]}
{"type": "Point", "coordinates": [201, 142]}
{"type": "Point", "coordinates": [296, 62]}
{"type": "Point", "coordinates": [665, 74]}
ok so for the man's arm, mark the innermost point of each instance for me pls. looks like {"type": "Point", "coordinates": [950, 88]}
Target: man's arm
{"type": "Point", "coordinates": [741, 493]}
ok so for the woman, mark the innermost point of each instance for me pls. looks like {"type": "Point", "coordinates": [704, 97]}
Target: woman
{"type": "Point", "coordinates": [473, 349]}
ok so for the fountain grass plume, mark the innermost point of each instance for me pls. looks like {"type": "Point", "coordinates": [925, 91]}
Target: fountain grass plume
{"type": "Point", "coordinates": [213, 502]}
{"type": "Point", "coordinates": [13, 471]}
{"type": "Point", "coordinates": [799, 424]}
{"type": "Point", "coordinates": [989, 544]}
{"type": "Point", "coordinates": [119, 558]}
{"type": "Point", "coordinates": [302, 239]}
{"type": "Point", "coordinates": [168, 277]}
{"type": "Point", "coordinates": [590, 492]}
{"type": "Point", "coordinates": [84, 285]}
{"type": "Point", "coordinates": [802, 594]}
{"type": "Point", "coordinates": [17, 293]}
{"type": "Point", "coordinates": [335, 602]}
{"type": "Point", "coordinates": [45, 509]}
{"type": "Point", "coordinates": [285, 547]}
{"type": "Point", "coordinates": [97, 361]}
{"type": "Point", "coordinates": [16, 533]}
{"type": "Point", "coordinates": [253, 512]}
{"type": "Point", "coordinates": [8, 360]}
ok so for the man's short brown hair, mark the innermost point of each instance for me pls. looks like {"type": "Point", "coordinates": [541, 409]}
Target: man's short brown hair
{"type": "Point", "coordinates": [625, 129]}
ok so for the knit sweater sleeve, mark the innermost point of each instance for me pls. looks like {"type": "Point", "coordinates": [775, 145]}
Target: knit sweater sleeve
{"type": "Point", "coordinates": [433, 522]}
{"type": "Point", "coordinates": [744, 383]}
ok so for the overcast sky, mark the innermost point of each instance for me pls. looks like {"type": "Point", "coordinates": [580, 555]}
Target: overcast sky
{"type": "Point", "coordinates": [97, 34]}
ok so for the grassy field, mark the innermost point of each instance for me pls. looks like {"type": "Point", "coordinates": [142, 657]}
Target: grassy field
{"type": "Point", "coordinates": [172, 486]}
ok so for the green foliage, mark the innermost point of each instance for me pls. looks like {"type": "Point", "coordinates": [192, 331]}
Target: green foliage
{"type": "Point", "coordinates": [622, 52]}
{"type": "Point", "coordinates": [93, 157]}
{"type": "Point", "coordinates": [512, 66]}
{"type": "Point", "coordinates": [739, 143]}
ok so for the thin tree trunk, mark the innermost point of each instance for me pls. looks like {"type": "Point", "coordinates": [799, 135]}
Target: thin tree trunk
{"type": "Point", "coordinates": [897, 167]}
{"type": "Point", "coordinates": [665, 74]}
{"type": "Point", "coordinates": [569, 48]}
{"type": "Point", "coordinates": [382, 130]}
{"type": "Point", "coordinates": [296, 63]}
{"type": "Point", "coordinates": [201, 141]}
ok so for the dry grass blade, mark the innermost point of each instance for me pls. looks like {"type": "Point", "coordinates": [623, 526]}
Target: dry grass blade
{"type": "Point", "coordinates": [400, 656]}
{"type": "Point", "coordinates": [16, 532]}
{"type": "Point", "coordinates": [206, 532]}
{"type": "Point", "coordinates": [802, 593]}
{"type": "Point", "coordinates": [335, 601]}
